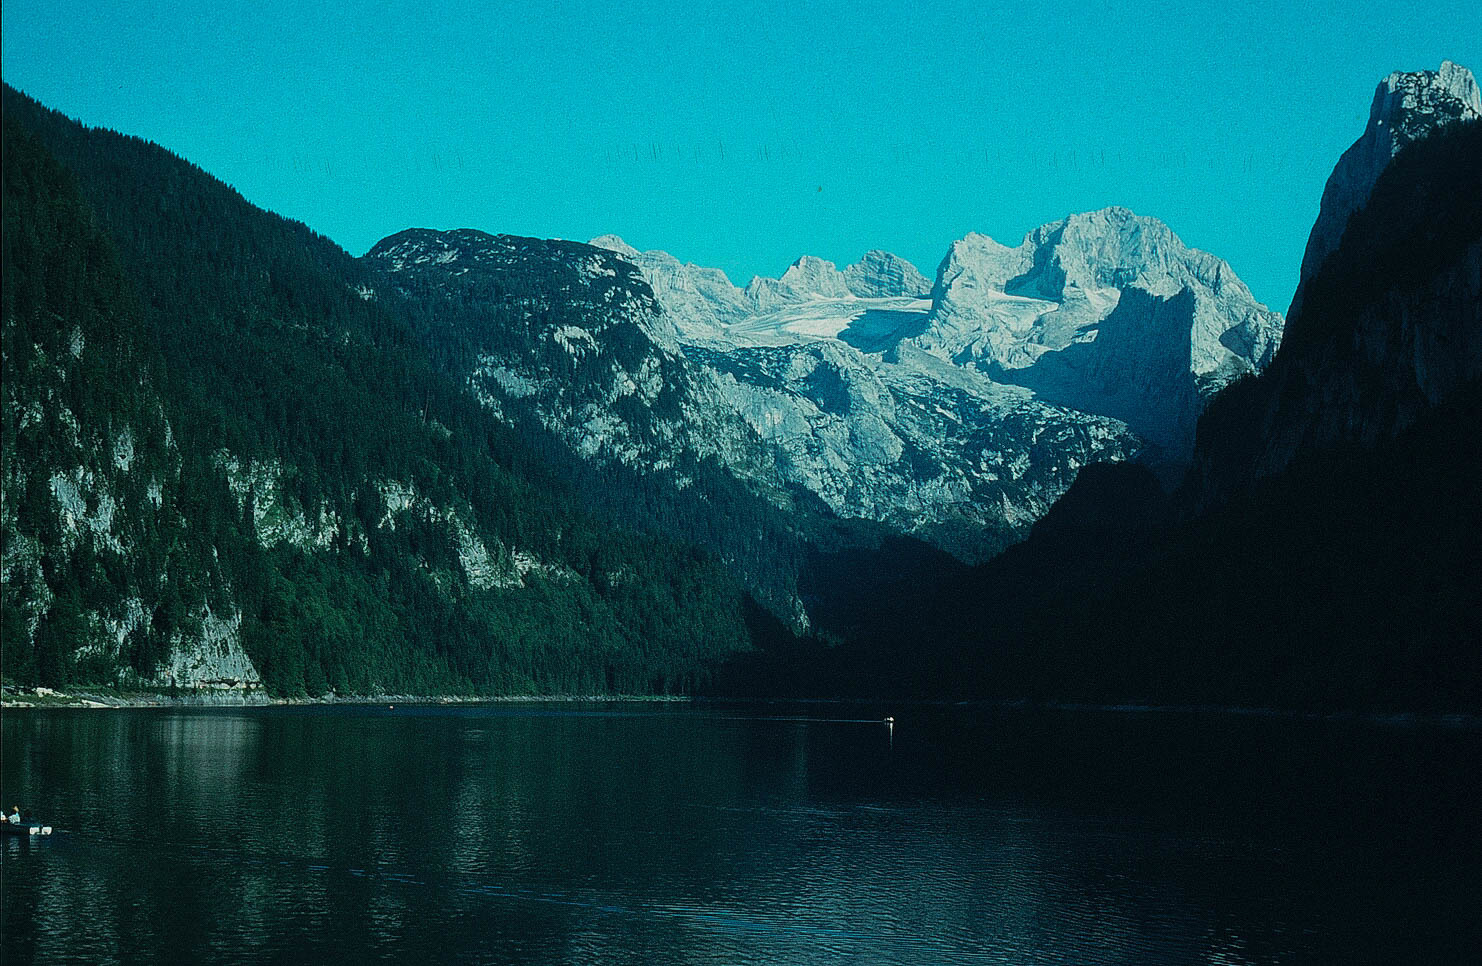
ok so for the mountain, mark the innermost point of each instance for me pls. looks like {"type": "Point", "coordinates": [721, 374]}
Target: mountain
{"type": "Point", "coordinates": [1386, 324]}
{"type": "Point", "coordinates": [682, 400]}
{"type": "Point", "coordinates": [237, 457]}
{"type": "Point", "coordinates": [232, 456]}
{"type": "Point", "coordinates": [1406, 108]}
{"type": "Point", "coordinates": [879, 396]}
{"type": "Point", "coordinates": [871, 426]}
{"type": "Point", "coordinates": [799, 428]}
{"type": "Point", "coordinates": [568, 326]}
{"type": "Point", "coordinates": [103, 572]}
{"type": "Point", "coordinates": [1106, 312]}
{"type": "Point", "coordinates": [1319, 553]}
{"type": "Point", "coordinates": [567, 342]}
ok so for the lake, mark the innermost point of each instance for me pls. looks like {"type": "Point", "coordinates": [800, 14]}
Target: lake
{"type": "Point", "coordinates": [648, 833]}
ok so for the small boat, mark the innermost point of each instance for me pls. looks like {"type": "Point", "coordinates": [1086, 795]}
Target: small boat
{"type": "Point", "coordinates": [25, 827]}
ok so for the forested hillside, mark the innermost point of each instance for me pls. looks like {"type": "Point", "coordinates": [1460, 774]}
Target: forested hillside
{"type": "Point", "coordinates": [566, 345]}
{"type": "Point", "coordinates": [309, 486]}
{"type": "Point", "coordinates": [87, 451]}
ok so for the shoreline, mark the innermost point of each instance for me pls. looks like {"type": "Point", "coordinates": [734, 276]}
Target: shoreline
{"type": "Point", "coordinates": [106, 699]}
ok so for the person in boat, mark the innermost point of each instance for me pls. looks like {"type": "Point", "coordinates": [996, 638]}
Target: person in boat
{"type": "Point", "coordinates": [15, 815]}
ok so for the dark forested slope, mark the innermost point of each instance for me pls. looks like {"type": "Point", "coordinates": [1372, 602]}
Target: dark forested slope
{"type": "Point", "coordinates": [346, 515]}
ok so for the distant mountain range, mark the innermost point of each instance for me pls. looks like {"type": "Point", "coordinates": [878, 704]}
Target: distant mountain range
{"type": "Point", "coordinates": [237, 457]}
{"type": "Point", "coordinates": [1318, 552]}
{"type": "Point", "coordinates": [955, 412]}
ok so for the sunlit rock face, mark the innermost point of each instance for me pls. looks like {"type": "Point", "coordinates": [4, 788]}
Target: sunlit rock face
{"type": "Point", "coordinates": [957, 412]}
{"type": "Point", "coordinates": [1107, 312]}
{"type": "Point", "coordinates": [1406, 108]}
{"type": "Point", "coordinates": [962, 462]}
{"type": "Point", "coordinates": [572, 332]}
{"type": "Point", "coordinates": [700, 296]}
{"type": "Point", "coordinates": [883, 275]}
{"type": "Point", "coordinates": [818, 363]}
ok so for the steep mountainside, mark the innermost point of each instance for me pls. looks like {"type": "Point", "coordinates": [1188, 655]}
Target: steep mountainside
{"type": "Point", "coordinates": [566, 342]}
{"type": "Point", "coordinates": [101, 572]}
{"type": "Point", "coordinates": [961, 462]}
{"type": "Point", "coordinates": [1406, 108]}
{"type": "Point", "coordinates": [570, 327]}
{"type": "Point", "coordinates": [1390, 327]}
{"type": "Point", "coordinates": [227, 457]}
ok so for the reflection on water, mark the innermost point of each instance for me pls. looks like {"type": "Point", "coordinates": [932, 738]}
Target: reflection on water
{"type": "Point", "coordinates": [626, 835]}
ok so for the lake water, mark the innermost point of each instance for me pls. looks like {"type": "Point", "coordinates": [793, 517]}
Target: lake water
{"type": "Point", "coordinates": [659, 834]}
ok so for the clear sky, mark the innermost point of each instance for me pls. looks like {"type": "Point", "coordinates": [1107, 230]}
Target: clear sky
{"type": "Point", "coordinates": [744, 135]}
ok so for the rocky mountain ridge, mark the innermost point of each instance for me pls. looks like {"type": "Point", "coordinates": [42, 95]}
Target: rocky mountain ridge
{"type": "Point", "coordinates": [925, 449]}
{"type": "Point", "coordinates": [940, 404]}
{"type": "Point", "coordinates": [1407, 107]}
{"type": "Point", "coordinates": [1050, 315]}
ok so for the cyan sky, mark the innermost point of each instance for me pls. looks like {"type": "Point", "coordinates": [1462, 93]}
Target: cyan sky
{"type": "Point", "coordinates": [744, 135]}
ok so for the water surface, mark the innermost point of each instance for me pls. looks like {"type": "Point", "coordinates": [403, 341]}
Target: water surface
{"type": "Point", "coordinates": [636, 834]}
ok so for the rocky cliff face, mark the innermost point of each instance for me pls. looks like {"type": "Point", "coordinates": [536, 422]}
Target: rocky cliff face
{"type": "Point", "coordinates": [960, 417]}
{"type": "Point", "coordinates": [1406, 108]}
{"type": "Point", "coordinates": [850, 411]}
{"type": "Point", "coordinates": [883, 275]}
{"type": "Point", "coordinates": [574, 334]}
{"type": "Point", "coordinates": [704, 296]}
{"type": "Point", "coordinates": [961, 462]}
{"type": "Point", "coordinates": [1106, 312]}
{"type": "Point", "coordinates": [1389, 327]}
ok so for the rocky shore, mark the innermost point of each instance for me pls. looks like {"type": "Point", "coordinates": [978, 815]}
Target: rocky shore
{"type": "Point", "coordinates": [21, 698]}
